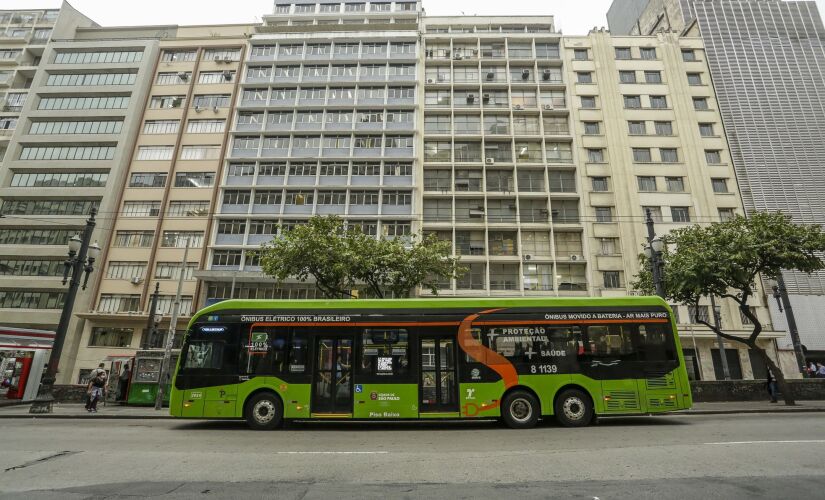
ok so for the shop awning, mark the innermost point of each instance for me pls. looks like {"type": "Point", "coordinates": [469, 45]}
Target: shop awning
{"type": "Point", "coordinates": [22, 338]}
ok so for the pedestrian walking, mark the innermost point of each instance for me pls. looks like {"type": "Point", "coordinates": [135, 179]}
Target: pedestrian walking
{"type": "Point", "coordinates": [811, 369]}
{"type": "Point", "coordinates": [820, 370]}
{"type": "Point", "coordinates": [123, 383]}
{"type": "Point", "coordinates": [96, 388]}
{"type": "Point", "coordinates": [772, 389]}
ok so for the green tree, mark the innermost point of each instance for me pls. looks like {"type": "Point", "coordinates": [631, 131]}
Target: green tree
{"type": "Point", "coordinates": [341, 259]}
{"type": "Point", "coordinates": [726, 259]}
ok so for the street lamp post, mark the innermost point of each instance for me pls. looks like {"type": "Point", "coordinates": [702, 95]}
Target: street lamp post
{"type": "Point", "coordinates": [780, 293]}
{"type": "Point", "coordinates": [653, 251]}
{"type": "Point", "coordinates": [79, 264]}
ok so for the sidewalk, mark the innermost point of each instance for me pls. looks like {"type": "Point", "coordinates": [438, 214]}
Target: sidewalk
{"type": "Point", "coordinates": [70, 410]}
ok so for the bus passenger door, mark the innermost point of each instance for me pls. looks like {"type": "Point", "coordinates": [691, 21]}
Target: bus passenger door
{"type": "Point", "coordinates": [437, 376]}
{"type": "Point", "coordinates": [332, 378]}
{"type": "Point", "coordinates": [610, 358]}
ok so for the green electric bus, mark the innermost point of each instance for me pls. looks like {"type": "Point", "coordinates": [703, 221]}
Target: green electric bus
{"type": "Point", "coordinates": [514, 359]}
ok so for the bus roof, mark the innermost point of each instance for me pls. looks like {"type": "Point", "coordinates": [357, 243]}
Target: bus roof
{"type": "Point", "coordinates": [433, 303]}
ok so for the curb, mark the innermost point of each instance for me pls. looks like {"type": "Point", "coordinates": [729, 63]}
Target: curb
{"type": "Point", "coordinates": [745, 411]}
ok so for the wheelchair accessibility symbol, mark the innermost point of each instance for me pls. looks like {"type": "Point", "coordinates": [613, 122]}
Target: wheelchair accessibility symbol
{"type": "Point", "coordinates": [359, 388]}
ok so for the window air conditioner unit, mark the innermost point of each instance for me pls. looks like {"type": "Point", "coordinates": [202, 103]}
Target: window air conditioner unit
{"type": "Point", "coordinates": [430, 80]}
{"type": "Point", "coordinates": [490, 161]}
{"type": "Point", "coordinates": [215, 109]}
{"type": "Point", "coordinates": [527, 256]}
{"type": "Point", "coordinates": [227, 60]}
{"type": "Point", "coordinates": [475, 52]}
{"type": "Point", "coordinates": [548, 106]}
{"type": "Point", "coordinates": [154, 212]}
{"type": "Point", "coordinates": [227, 75]}
{"type": "Point", "coordinates": [525, 74]}
{"type": "Point", "coordinates": [458, 57]}
{"type": "Point", "coordinates": [183, 75]}
{"type": "Point", "coordinates": [486, 97]}
{"type": "Point", "coordinates": [198, 109]}
{"type": "Point", "coordinates": [518, 106]}
{"type": "Point", "coordinates": [490, 75]}
{"type": "Point", "coordinates": [136, 280]}
{"type": "Point", "coordinates": [546, 74]}
{"type": "Point", "coordinates": [471, 98]}
{"type": "Point", "coordinates": [477, 212]}
{"type": "Point", "coordinates": [576, 257]}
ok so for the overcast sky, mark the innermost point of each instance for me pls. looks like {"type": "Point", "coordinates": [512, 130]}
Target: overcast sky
{"type": "Point", "coordinates": [573, 17]}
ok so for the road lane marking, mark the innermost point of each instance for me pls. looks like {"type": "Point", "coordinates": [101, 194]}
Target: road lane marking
{"type": "Point", "coordinates": [794, 441]}
{"type": "Point", "coordinates": [332, 452]}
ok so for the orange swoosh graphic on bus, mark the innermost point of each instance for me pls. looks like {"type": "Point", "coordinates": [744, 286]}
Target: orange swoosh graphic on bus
{"type": "Point", "coordinates": [484, 355]}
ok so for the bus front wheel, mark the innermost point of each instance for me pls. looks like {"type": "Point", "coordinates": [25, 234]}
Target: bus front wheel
{"type": "Point", "coordinates": [264, 412]}
{"type": "Point", "coordinates": [520, 410]}
{"type": "Point", "coordinates": [573, 408]}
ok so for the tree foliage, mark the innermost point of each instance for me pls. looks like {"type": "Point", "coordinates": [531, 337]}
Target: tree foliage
{"type": "Point", "coordinates": [726, 259]}
{"type": "Point", "coordinates": [342, 259]}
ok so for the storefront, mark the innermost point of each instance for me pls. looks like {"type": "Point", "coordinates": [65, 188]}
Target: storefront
{"type": "Point", "coordinates": [23, 356]}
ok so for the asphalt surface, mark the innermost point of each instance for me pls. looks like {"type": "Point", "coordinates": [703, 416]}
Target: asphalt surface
{"type": "Point", "coordinates": [686, 456]}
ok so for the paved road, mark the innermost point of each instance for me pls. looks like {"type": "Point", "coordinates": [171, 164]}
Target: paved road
{"type": "Point", "coordinates": [697, 456]}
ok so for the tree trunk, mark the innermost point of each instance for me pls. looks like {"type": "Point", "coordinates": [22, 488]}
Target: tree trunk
{"type": "Point", "coordinates": [787, 395]}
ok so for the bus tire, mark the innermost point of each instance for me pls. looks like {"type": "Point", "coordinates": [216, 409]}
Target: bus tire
{"type": "Point", "coordinates": [520, 410]}
{"type": "Point", "coordinates": [573, 408]}
{"type": "Point", "coordinates": [264, 412]}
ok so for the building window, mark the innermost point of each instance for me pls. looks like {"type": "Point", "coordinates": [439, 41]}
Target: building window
{"type": "Point", "coordinates": [59, 179]}
{"type": "Point", "coordinates": [699, 313]}
{"type": "Point", "coordinates": [713, 156]}
{"type": "Point", "coordinates": [646, 183]}
{"type": "Point", "coordinates": [647, 53]}
{"type": "Point", "coordinates": [719, 185]}
{"type": "Point", "coordinates": [118, 303]}
{"type": "Point", "coordinates": [663, 128]}
{"type": "Point", "coordinates": [604, 214]}
{"type": "Point", "coordinates": [627, 76]}
{"type": "Point", "coordinates": [173, 78]}
{"type": "Point", "coordinates": [108, 56]}
{"type": "Point", "coordinates": [180, 239]}
{"type": "Point", "coordinates": [206, 126]}
{"type": "Point", "coordinates": [141, 209]}
{"type": "Point", "coordinates": [669, 155]}
{"type": "Point", "coordinates": [588, 102]}
{"type": "Point", "coordinates": [694, 78]}
{"type": "Point", "coordinates": [172, 271]}
{"type": "Point", "coordinates": [655, 213]}
{"type": "Point", "coordinates": [612, 279]}
{"type": "Point", "coordinates": [637, 128]}
{"type": "Point", "coordinates": [100, 102]}
{"type": "Point", "coordinates": [89, 79]}
{"type": "Point", "coordinates": [584, 77]}
{"type": "Point", "coordinates": [194, 179]}
{"type": "Point", "coordinates": [125, 270]}
{"type": "Point", "coordinates": [706, 129]}
{"type": "Point", "coordinates": [153, 153]}
{"type": "Point", "coordinates": [580, 54]}
{"type": "Point", "coordinates": [641, 155]}
{"type": "Point", "coordinates": [148, 180]}
{"type": "Point", "coordinates": [86, 153]}
{"type": "Point", "coordinates": [653, 77]}
{"type": "Point", "coordinates": [160, 126]}
{"type": "Point", "coordinates": [658, 101]}
{"type": "Point", "coordinates": [133, 239]}
{"type": "Point", "coordinates": [700, 103]}
{"type": "Point", "coordinates": [111, 337]}
{"type": "Point", "coordinates": [688, 55]}
{"type": "Point", "coordinates": [675, 184]}
{"type": "Point", "coordinates": [622, 52]}
{"type": "Point", "coordinates": [178, 56]}
{"type": "Point", "coordinates": [161, 102]}
{"type": "Point", "coordinates": [188, 209]}
{"type": "Point", "coordinates": [680, 214]}
{"type": "Point", "coordinates": [222, 54]}
{"type": "Point", "coordinates": [200, 152]}
{"type": "Point", "coordinates": [591, 128]}
{"type": "Point", "coordinates": [11, 299]}
{"type": "Point", "coordinates": [608, 246]}
{"type": "Point", "coordinates": [66, 127]}
{"type": "Point", "coordinates": [600, 184]}
{"type": "Point", "coordinates": [726, 214]}
{"type": "Point", "coordinates": [632, 102]}
{"type": "Point", "coordinates": [35, 236]}
{"type": "Point", "coordinates": [595, 155]}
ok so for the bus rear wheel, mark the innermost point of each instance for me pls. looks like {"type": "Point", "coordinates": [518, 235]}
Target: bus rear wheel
{"type": "Point", "coordinates": [520, 410]}
{"type": "Point", "coordinates": [573, 408]}
{"type": "Point", "coordinates": [264, 412]}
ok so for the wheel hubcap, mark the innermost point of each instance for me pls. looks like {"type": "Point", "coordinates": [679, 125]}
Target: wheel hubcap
{"type": "Point", "coordinates": [573, 408]}
{"type": "Point", "coordinates": [521, 410]}
{"type": "Point", "coordinates": [264, 412]}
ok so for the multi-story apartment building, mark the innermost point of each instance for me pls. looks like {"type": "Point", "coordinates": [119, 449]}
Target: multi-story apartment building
{"type": "Point", "coordinates": [67, 155]}
{"type": "Point", "coordinates": [167, 197]}
{"type": "Point", "coordinates": [535, 155]}
{"type": "Point", "coordinates": [326, 123]}
{"type": "Point", "coordinates": [767, 62]}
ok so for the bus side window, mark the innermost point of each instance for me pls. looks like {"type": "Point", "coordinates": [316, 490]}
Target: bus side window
{"type": "Point", "coordinates": [264, 350]}
{"type": "Point", "coordinates": [384, 352]}
{"type": "Point", "coordinates": [655, 343]}
{"type": "Point", "coordinates": [298, 353]}
{"type": "Point", "coordinates": [476, 334]}
{"type": "Point", "coordinates": [613, 341]}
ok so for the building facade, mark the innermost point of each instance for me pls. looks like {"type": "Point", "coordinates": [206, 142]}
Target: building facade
{"type": "Point", "coordinates": [767, 61]}
{"type": "Point", "coordinates": [536, 155]}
